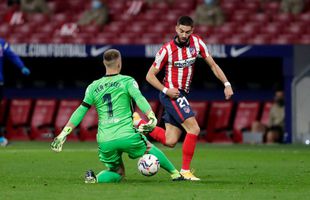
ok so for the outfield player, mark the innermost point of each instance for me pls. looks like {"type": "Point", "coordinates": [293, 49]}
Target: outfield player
{"type": "Point", "coordinates": [177, 58]}
{"type": "Point", "coordinates": [7, 53]}
{"type": "Point", "coordinates": [112, 95]}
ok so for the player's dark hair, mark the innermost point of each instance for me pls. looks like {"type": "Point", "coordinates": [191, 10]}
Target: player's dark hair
{"type": "Point", "coordinates": [186, 21]}
{"type": "Point", "coordinates": [111, 54]}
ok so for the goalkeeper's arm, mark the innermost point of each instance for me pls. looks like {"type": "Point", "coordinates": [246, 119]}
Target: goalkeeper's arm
{"type": "Point", "coordinates": [74, 121]}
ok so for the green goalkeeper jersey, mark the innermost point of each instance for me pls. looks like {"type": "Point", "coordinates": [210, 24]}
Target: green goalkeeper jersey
{"type": "Point", "coordinates": [112, 96]}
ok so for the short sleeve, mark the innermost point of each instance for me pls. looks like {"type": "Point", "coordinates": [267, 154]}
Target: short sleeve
{"type": "Point", "coordinates": [161, 58]}
{"type": "Point", "coordinates": [204, 52]}
{"type": "Point", "coordinates": [88, 98]}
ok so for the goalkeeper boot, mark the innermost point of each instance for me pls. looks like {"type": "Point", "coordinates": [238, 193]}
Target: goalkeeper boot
{"type": "Point", "coordinates": [136, 119]}
{"type": "Point", "coordinates": [188, 175]}
{"type": "Point", "coordinates": [90, 177]}
{"type": "Point", "coordinates": [177, 177]}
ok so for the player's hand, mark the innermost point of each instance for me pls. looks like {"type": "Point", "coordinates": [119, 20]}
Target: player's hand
{"type": "Point", "coordinates": [228, 91]}
{"type": "Point", "coordinates": [25, 71]}
{"type": "Point", "coordinates": [57, 143]}
{"type": "Point", "coordinates": [147, 128]}
{"type": "Point", "coordinates": [173, 93]}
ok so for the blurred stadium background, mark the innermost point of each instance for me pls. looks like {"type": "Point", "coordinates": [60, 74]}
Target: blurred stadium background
{"type": "Point", "coordinates": [257, 47]}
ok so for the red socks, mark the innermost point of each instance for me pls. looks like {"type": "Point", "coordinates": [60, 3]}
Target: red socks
{"type": "Point", "coordinates": [188, 150]}
{"type": "Point", "coordinates": [158, 134]}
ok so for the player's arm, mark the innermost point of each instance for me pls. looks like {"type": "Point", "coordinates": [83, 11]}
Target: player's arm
{"type": "Point", "coordinates": [218, 72]}
{"type": "Point", "coordinates": [144, 106]}
{"type": "Point", "coordinates": [161, 60]}
{"type": "Point", "coordinates": [73, 122]}
{"type": "Point", "coordinates": [15, 59]}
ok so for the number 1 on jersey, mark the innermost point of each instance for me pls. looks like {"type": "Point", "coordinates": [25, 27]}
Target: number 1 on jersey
{"type": "Point", "coordinates": [107, 98]}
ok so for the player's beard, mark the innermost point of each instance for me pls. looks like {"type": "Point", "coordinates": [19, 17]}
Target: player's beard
{"type": "Point", "coordinates": [182, 40]}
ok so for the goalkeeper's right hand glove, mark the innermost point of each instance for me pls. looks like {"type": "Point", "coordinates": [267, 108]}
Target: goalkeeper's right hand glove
{"type": "Point", "coordinates": [60, 139]}
{"type": "Point", "coordinates": [147, 128]}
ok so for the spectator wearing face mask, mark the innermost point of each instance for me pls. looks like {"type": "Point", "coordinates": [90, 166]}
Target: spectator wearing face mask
{"type": "Point", "coordinates": [209, 13]}
{"type": "Point", "coordinates": [97, 14]}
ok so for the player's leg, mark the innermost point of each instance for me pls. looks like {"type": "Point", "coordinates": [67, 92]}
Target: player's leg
{"type": "Point", "coordinates": [168, 137]}
{"type": "Point", "coordinates": [157, 134]}
{"type": "Point", "coordinates": [110, 176]}
{"type": "Point", "coordinates": [139, 145]}
{"type": "Point", "coordinates": [181, 114]}
{"type": "Point", "coordinates": [112, 159]}
{"type": "Point", "coordinates": [189, 145]}
{"type": "Point", "coordinates": [173, 134]}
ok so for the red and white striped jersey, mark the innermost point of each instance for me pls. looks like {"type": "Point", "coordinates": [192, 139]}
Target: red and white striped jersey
{"type": "Point", "coordinates": [179, 62]}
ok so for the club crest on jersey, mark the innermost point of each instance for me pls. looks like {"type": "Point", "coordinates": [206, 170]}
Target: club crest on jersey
{"type": "Point", "coordinates": [192, 50]}
{"type": "Point", "coordinates": [186, 109]}
{"type": "Point", "coordinates": [184, 63]}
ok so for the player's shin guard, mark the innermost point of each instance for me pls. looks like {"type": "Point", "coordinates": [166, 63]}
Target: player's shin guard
{"type": "Point", "coordinates": [106, 176]}
{"type": "Point", "coordinates": [163, 160]}
{"type": "Point", "coordinates": [188, 150]}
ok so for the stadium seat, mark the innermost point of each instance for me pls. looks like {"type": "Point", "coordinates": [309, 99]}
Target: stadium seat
{"type": "Point", "coordinates": [200, 109]}
{"type": "Point", "coordinates": [41, 126]}
{"type": "Point", "coordinates": [272, 28]}
{"type": "Point", "coordinates": [236, 39]}
{"type": "Point", "coordinates": [65, 110]}
{"type": "Point", "coordinates": [265, 114]}
{"type": "Point", "coordinates": [260, 17]}
{"type": "Point", "coordinates": [17, 126]}
{"type": "Point", "coordinates": [5, 30]}
{"type": "Point", "coordinates": [284, 39]}
{"type": "Point", "coordinates": [260, 39]}
{"type": "Point", "coordinates": [226, 29]}
{"type": "Point", "coordinates": [89, 125]}
{"type": "Point", "coordinates": [3, 111]}
{"type": "Point", "coordinates": [246, 113]}
{"type": "Point", "coordinates": [283, 17]}
{"type": "Point", "coordinates": [218, 121]}
{"type": "Point", "coordinates": [296, 28]}
{"type": "Point", "coordinates": [271, 7]}
{"type": "Point", "coordinates": [304, 39]}
{"type": "Point", "coordinates": [303, 17]}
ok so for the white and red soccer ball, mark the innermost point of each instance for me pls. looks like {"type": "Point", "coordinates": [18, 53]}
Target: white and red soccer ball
{"type": "Point", "coordinates": [148, 165]}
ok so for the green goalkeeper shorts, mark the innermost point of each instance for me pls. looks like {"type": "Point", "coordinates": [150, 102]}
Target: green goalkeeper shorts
{"type": "Point", "coordinates": [110, 152]}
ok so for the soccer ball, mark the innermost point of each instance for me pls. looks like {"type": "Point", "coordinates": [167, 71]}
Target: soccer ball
{"type": "Point", "coordinates": [148, 165]}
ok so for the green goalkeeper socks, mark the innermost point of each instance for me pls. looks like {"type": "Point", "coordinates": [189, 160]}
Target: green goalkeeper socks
{"type": "Point", "coordinates": [163, 160]}
{"type": "Point", "coordinates": [106, 176]}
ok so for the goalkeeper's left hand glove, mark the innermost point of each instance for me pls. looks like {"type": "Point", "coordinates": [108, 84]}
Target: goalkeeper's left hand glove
{"type": "Point", "coordinates": [147, 128]}
{"type": "Point", "coordinates": [60, 139]}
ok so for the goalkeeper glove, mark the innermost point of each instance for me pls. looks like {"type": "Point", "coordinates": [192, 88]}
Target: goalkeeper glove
{"type": "Point", "coordinates": [60, 139]}
{"type": "Point", "coordinates": [147, 128]}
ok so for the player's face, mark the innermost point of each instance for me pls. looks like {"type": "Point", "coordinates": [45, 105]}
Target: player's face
{"type": "Point", "coordinates": [183, 32]}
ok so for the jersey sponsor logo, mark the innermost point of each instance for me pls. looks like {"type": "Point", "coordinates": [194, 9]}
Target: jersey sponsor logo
{"type": "Point", "coordinates": [184, 63]}
{"type": "Point", "coordinates": [94, 51]}
{"type": "Point", "coordinates": [234, 52]}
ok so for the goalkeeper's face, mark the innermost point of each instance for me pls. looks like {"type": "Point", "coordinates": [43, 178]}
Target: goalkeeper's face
{"type": "Point", "coordinates": [183, 32]}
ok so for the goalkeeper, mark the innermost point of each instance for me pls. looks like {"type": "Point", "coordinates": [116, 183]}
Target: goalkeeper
{"type": "Point", "coordinates": [112, 96]}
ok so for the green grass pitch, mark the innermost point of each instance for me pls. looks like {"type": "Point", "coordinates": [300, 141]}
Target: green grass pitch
{"type": "Point", "coordinates": [30, 170]}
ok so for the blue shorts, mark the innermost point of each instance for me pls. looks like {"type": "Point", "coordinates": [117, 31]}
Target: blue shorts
{"type": "Point", "coordinates": [176, 110]}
